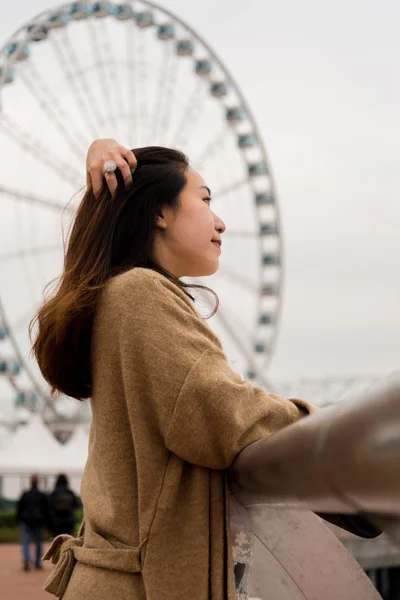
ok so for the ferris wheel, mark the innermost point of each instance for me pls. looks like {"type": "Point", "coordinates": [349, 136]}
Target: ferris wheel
{"type": "Point", "coordinates": [133, 71]}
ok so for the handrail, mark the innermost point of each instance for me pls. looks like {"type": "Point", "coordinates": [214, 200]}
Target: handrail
{"type": "Point", "coordinates": [341, 459]}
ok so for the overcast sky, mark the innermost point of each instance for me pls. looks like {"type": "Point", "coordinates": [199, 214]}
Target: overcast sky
{"type": "Point", "coordinates": [322, 79]}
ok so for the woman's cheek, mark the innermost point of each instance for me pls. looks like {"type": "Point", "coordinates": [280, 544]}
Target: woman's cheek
{"type": "Point", "coordinates": [197, 228]}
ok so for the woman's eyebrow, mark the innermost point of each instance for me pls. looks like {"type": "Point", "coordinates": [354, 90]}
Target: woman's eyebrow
{"type": "Point", "coordinates": [206, 188]}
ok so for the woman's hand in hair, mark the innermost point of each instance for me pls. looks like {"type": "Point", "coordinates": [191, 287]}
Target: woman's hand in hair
{"type": "Point", "coordinates": [98, 154]}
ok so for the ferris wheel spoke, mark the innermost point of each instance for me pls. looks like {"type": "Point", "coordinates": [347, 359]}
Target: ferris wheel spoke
{"type": "Point", "coordinates": [48, 401]}
{"type": "Point", "coordinates": [41, 153]}
{"type": "Point", "coordinates": [195, 117]}
{"type": "Point", "coordinates": [71, 77]}
{"type": "Point", "coordinates": [30, 275]}
{"type": "Point", "coordinates": [102, 77]}
{"type": "Point", "coordinates": [233, 331]}
{"type": "Point", "coordinates": [13, 383]}
{"type": "Point", "coordinates": [143, 115]}
{"type": "Point", "coordinates": [29, 252]}
{"type": "Point", "coordinates": [34, 199]}
{"type": "Point", "coordinates": [132, 98]}
{"type": "Point", "coordinates": [160, 97]}
{"type": "Point", "coordinates": [165, 118]}
{"type": "Point", "coordinates": [48, 103]}
{"type": "Point", "coordinates": [238, 279]}
{"type": "Point", "coordinates": [116, 88]}
{"type": "Point", "coordinates": [226, 320]}
{"type": "Point", "coordinates": [19, 324]}
{"type": "Point", "coordinates": [189, 112]}
{"type": "Point", "coordinates": [92, 100]}
{"type": "Point", "coordinates": [213, 147]}
{"type": "Point", "coordinates": [233, 187]}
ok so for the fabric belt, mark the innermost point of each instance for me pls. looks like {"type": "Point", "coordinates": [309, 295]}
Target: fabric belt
{"type": "Point", "coordinates": [66, 550]}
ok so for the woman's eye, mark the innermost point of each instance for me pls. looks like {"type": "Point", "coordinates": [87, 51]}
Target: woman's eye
{"type": "Point", "coordinates": [208, 200]}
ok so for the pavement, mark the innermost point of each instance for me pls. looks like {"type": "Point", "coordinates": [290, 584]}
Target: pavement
{"type": "Point", "coordinates": [16, 584]}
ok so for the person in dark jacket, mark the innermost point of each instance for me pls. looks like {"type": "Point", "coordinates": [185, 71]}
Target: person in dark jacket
{"type": "Point", "coordinates": [32, 515]}
{"type": "Point", "coordinates": [62, 505]}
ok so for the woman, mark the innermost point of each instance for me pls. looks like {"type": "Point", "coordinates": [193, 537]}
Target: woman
{"type": "Point", "coordinates": [169, 414]}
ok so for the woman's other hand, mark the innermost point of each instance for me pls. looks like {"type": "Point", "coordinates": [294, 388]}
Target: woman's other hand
{"type": "Point", "coordinates": [98, 154]}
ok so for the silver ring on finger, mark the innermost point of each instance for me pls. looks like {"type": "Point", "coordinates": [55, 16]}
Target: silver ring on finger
{"type": "Point", "coordinates": [110, 166]}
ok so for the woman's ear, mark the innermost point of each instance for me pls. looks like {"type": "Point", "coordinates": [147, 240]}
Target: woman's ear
{"type": "Point", "coordinates": [161, 221]}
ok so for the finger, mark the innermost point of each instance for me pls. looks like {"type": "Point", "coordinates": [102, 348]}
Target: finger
{"type": "Point", "coordinates": [130, 157]}
{"type": "Point", "coordinates": [96, 176]}
{"type": "Point", "coordinates": [125, 170]}
{"type": "Point", "coordinates": [111, 181]}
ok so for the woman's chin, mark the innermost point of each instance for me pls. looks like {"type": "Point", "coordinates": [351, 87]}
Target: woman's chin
{"type": "Point", "coordinates": [204, 270]}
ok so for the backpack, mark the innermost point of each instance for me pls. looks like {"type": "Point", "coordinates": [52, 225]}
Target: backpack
{"type": "Point", "coordinates": [63, 501]}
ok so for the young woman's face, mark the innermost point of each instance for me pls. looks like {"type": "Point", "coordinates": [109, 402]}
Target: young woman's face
{"type": "Point", "coordinates": [188, 239]}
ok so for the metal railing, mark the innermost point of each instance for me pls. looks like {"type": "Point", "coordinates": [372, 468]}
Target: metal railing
{"type": "Point", "coordinates": [343, 459]}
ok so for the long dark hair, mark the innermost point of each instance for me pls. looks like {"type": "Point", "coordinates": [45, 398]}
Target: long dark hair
{"type": "Point", "coordinates": [109, 235]}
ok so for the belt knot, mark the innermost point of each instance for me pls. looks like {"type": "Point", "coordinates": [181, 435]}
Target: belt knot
{"type": "Point", "coordinates": [66, 550]}
{"type": "Point", "coordinates": [61, 553]}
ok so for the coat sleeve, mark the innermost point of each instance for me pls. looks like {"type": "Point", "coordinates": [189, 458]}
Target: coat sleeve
{"type": "Point", "coordinates": [204, 410]}
{"type": "Point", "coordinates": [217, 413]}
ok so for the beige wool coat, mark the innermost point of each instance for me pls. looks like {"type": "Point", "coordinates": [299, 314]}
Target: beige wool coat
{"type": "Point", "coordinates": [169, 418]}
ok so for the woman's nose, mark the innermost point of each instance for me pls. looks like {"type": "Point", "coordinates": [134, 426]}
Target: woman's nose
{"type": "Point", "coordinates": [219, 224]}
